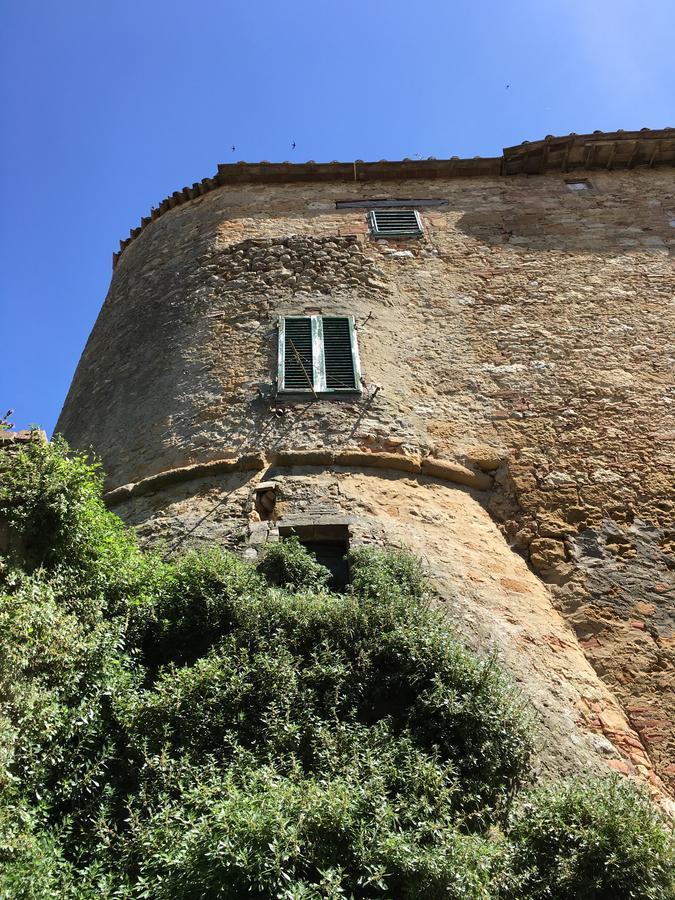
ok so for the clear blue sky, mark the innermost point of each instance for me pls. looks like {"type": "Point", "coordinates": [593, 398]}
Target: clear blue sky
{"type": "Point", "coordinates": [107, 107]}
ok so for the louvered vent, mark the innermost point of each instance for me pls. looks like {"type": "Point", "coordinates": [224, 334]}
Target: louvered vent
{"type": "Point", "coordinates": [298, 370]}
{"type": "Point", "coordinates": [337, 351]}
{"type": "Point", "coordinates": [395, 222]}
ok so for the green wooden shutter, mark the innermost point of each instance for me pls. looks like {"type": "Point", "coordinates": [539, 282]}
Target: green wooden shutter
{"type": "Point", "coordinates": [296, 360]}
{"type": "Point", "coordinates": [340, 354]}
{"type": "Point", "coordinates": [318, 355]}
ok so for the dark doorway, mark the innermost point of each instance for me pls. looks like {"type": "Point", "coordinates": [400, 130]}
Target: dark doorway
{"type": "Point", "coordinates": [329, 544]}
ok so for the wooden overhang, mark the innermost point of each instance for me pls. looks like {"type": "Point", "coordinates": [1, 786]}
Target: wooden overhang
{"type": "Point", "coordinates": [574, 152]}
{"type": "Point", "coordinates": [600, 150]}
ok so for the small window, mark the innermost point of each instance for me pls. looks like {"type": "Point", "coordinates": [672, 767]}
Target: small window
{"type": "Point", "coordinates": [318, 355]}
{"type": "Point", "coordinates": [329, 544]}
{"type": "Point", "coordinates": [395, 223]}
{"type": "Point", "coordinates": [581, 184]}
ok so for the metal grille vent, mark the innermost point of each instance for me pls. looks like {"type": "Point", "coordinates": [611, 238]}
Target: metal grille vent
{"type": "Point", "coordinates": [298, 370]}
{"type": "Point", "coordinates": [395, 222]}
{"type": "Point", "coordinates": [337, 351]}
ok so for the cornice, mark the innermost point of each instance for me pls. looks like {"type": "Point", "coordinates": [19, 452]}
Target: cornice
{"type": "Point", "coordinates": [599, 150]}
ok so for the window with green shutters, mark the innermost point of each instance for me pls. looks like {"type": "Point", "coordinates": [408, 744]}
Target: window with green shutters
{"type": "Point", "coordinates": [318, 355]}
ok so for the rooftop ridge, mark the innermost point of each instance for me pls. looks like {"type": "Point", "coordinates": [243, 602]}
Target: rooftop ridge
{"type": "Point", "coordinates": [599, 150]}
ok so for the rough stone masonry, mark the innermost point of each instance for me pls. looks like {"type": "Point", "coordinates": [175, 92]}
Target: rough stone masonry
{"type": "Point", "coordinates": [524, 339]}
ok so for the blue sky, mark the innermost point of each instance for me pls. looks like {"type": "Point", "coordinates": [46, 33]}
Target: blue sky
{"type": "Point", "coordinates": [109, 107]}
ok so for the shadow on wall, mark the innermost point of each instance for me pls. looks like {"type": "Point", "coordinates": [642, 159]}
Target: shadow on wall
{"type": "Point", "coordinates": [593, 212]}
{"type": "Point", "coordinates": [589, 221]}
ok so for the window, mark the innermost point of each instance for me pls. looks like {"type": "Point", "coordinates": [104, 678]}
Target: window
{"type": "Point", "coordinates": [318, 355]}
{"type": "Point", "coordinates": [395, 223]}
{"type": "Point", "coordinates": [329, 544]}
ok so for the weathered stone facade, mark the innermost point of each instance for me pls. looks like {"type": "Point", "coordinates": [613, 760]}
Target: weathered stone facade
{"type": "Point", "coordinates": [525, 338]}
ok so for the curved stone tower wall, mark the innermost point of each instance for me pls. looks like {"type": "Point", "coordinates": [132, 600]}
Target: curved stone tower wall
{"type": "Point", "coordinates": [524, 339]}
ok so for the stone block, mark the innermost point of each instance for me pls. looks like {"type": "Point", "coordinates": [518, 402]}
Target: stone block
{"type": "Point", "coordinates": [257, 533]}
{"type": "Point", "coordinates": [452, 471]}
{"type": "Point", "coordinates": [263, 486]}
{"type": "Point", "coordinates": [366, 459]}
{"type": "Point", "coordinates": [487, 459]}
{"type": "Point", "coordinates": [118, 495]}
{"type": "Point", "coordinates": [290, 458]}
{"type": "Point", "coordinates": [546, 553]}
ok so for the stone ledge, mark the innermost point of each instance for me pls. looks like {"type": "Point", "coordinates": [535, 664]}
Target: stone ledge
{"type": "Point", "coordinates": [442, 469]}
{"type": "Point", "coordinates": [153, 483]}
{"type": "Point", "coordinates": [447, 470]}
{"type": "Point", "coordinates": [289, 458]}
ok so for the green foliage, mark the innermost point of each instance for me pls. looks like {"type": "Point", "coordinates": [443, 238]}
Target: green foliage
{"type": "Point", "coordinates": [262, 833]}
{"type": "Point", "coordinates": [54, 672]}
{"type": "Point", "coordinates": [58, 524]}
{"type": "Point", "coordinates": [203, 727]}
{"type": "Point", "coordinates": [600, 840]}
{"type": "Point", "coordinates": [289, 565]}
{"type": "Point", "coordinates": [52, 502]}
{"type": "Point", "coordinates": [385, 574]}
{"type": "Point", "coordinates": [196, 603]}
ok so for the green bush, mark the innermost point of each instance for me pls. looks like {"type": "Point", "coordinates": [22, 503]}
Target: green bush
{"type": "Point", "coordinates": [599, 840]}
{"type": "Point", "coordinates": [387, 574]}
{"type": "Point", "coordinates": [288, 564]}
{"type": "Point", "coordinates": [195, 604]}
{"type": "Point", "coordinates": [204, 727]}
{"type": "Point", "coordinates": [243, 665]}
{"type": "Point", "coordinates": [382, 824]}
{"type": "Point", "coordinates": [58, 525]}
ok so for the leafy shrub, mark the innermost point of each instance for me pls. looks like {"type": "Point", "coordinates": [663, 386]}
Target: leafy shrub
{"type": "Point", "coordinates": [195, 604]}
{"type": "Point", "coordinates": [288, 564]}
{"type": "Point", "coordinates": [52, 505]}
{"type": "Point", "coordinates": [264, 834]}
{"type": "Point", "coordinates": [600, 840]}
{"type": "Point", "coordinates": [267, 667]}
{"type": "Point", "coordinates": [32, 866]}
{"type": "Point", "coordinates": [387, 573]}
{"type": "Point", "coordinates": [184, 729]}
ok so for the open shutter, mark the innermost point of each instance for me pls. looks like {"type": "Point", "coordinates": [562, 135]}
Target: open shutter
{"type": "Point", "coordinates": [340, 354]}
{"type": "Point", "coordinates": [296, 366]}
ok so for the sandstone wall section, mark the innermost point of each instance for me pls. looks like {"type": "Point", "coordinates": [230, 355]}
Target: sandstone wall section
{"type": "Point", "coordinates": [528, 334]}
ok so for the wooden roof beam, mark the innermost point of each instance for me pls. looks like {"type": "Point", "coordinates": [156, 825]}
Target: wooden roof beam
{"type": "Point", "coordinates": [544, 155]}
{"type": "Point", "coordinates": [634, 155]}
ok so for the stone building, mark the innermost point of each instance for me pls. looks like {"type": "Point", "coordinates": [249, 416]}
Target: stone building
{"type": "Point", "coordinates": [468, 358]}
